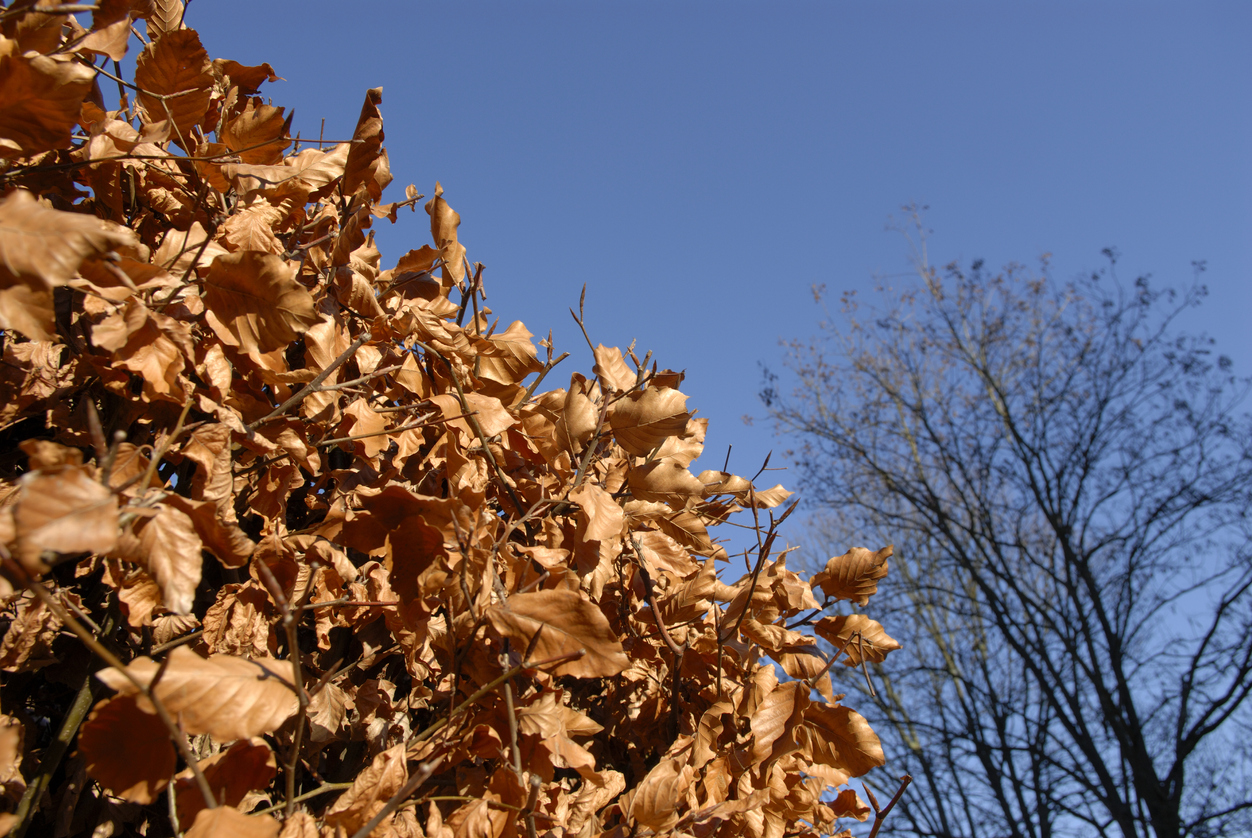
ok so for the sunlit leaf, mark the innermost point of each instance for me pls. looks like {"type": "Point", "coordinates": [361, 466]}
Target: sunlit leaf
{"type": "Point", "coordinates": [565, 624]}
{"type": "Point", "coordinates": [226, 697]}
{"type": "Point", "coordinates": [854, 575]}
{"type": "Point", "coordinates": [256, 302]}
{"type": "Point", "coordinates": [40, 100]}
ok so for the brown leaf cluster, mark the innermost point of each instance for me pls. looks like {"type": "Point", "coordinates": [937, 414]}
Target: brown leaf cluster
{"type": "Point", "coordinates": [345, 567]}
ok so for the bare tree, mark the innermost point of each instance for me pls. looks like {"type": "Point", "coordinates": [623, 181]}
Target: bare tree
{"type": "Point", "coordinates": [1068, 484]}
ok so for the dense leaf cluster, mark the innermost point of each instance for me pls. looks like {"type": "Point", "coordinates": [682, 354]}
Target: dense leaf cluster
{"type": "Point", "coordinates": [294, 543]}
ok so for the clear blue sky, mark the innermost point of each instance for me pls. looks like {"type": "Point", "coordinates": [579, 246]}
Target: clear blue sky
{"type": "Point", "coordinates": [699, 165]}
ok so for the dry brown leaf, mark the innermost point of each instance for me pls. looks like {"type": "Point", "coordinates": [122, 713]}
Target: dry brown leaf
{"type": "Point", "coordinates": [443, 230]}
{"type": "Point", "coordinates": [854, 575]}
{"type": "Point", "coordinates": [27, 311]}
{"type": "Point", "coordinates": [859, 637]}
{"type": "Point", "coordinates": [370, 791]}
{"type": "Point", "coordinates": [849, 805]}
{"type": "Point", "coordinates": [774, 719]}
{"type": "Point", "coordinates": [12, 739]}
{"type": "Point", "coordinates": [840, 737]}
{"type": "Point", "coordinates": [63, 512]}
{"type": "Point", "coordinates": [254, 301]}
{"type": "Point", "coordinates": [238, 622]}
{"type": "Point", "coordinates": [224, 539]}
{"type": "Point", "coordinates": [252, 228]}
{"type": "Point", "coordinates": [43, 247]}
{"type": "Point", "coordinates": [602, 517]}
{"type": "Point", "coordinates": [656, 798]}
{"type": "Point", "coordinates": [40, 100]}
{"type": "Point", "coordinates": [642, 421]}
{"type": "Point", "coordinates": [512, 357]}
{"type": "Point", "coordinates": [176, 79]}
{"type": "Point", "coordinates": [665, 481]}
{"type": "Point", "coordinates": [170, 548]}
{"type": "Point", "coordinates": [248, 765]}
{"type": "Point", "coordinates": [163, 16]}
{"type": "Point", "coordinates": [612, 370]}
{"type": "Point", "coordinates": [109, 39]}
{"type": "Point", "coordinates": [149, 344]}
{"type": "Point", "coordinates": [226, 697]}
{"type": "Point", "coordinates": [295, 179]}
{"type": "Point", "coordinates": [566, 624]}
{"type": "Point", "coordinates": [27, 644]}
{"type": "Point", "coordinates": [257, 134]}
{"type": "Point", "coordinates": [215, 823]}
{"type": "Point", "coordinates": [367, 163]}
{"type": "Point", "coordinates": [247, 79]}
{"type": "Point", "coordinates": [127, 750]}
{"type": "Point", "coordinates": [182, 251]}
{"type": "Point", "coordinates": [33, 29]}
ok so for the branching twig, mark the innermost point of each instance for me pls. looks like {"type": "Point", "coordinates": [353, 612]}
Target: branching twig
{"type": "Point", "coordinates": [176, 733]}
{"type": "Point", "coordinates": [880, 815]}
{"type": "Point", "coordinates": [478, 429]}
{"type": "Point", "coordinates": [421, 775]}
{"type": "Point", "coordinates": [313, 385]}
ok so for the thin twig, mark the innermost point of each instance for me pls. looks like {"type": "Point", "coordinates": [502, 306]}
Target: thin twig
{"type": "Point", "coordinates": [176, 734]}
{"type": "Point", "coordinates": [491, 687]}
{"type": "Point", "coordinates": [478, 429]}
{"type": "Point", "coordinates": [881, 815]}
{"type": "Point", "coordinates": [313, 385]}
{"type": "Point", "coordinates": [421, 775]}
{"type": "Point", "coordinates": [52, 756]}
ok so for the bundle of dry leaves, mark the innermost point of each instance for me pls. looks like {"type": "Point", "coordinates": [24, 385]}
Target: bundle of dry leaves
{"type": "Point", "coordinates": [296, 545]}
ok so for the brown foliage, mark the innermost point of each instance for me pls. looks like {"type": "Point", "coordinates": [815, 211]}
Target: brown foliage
{"type": "Point", "coordinates": [293, 500]}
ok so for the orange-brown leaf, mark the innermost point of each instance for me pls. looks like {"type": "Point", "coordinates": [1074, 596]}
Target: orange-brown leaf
{"type": "Point", "coordinates": [611, 369]}
{"type": "Point", "coordinates": [256, 302]}
{"type": "Point", "coordinates": [656, 798]}
{"type": "Point", "coordinates": [565, 623]}
{"type": "Point", "coordinates": [226, 697]}
{"type": "Point", "coordinates": [40, 100]}
{"type": "Point", "coordinates": [127, 750]}
{"type": "Point", "coordinates": [859, 636]}
{"type": "Point", "coordinates": [248, 765]}
{"type": "Point", "coordinates": [215, 823]}
{"type": "Point", "coordinates": [43, 247]}
{"type": "Point", "coordinates": [665, 481]}
{"type": "Point", "coordinates": [644, 420]}
{"type": "Point", "coordinates": [367, 160]}
{"type": "Point", "coordinates": [247, 79]}
{"type": "Point", "coordinates": [601, 515]}
{"type": "Point", "coordinates": [370, 790]}
{"type": "Point", "coordinates": [176, 79]}
{"type": "Point", "coordinates": [12, 735]}
{"type": "Point", "coordinates": [171, 551]}
{"type": "Point", "coordinates": [840, 738]}
{"type": "Point", "coordinates": [257, 134]}
{"type": "Point", "coordinates": [854, 575]}
{"type": "Point", "coordinates": [63, 512]}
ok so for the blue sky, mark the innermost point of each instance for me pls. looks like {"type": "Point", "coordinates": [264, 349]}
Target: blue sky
{"type": "Point", "coordinates": [700, 165]}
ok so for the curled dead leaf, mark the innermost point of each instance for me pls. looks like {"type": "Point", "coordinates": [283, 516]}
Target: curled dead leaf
{"type": "Point", "coordinates": [213, 823]}
{"type": "Point", "coordinates": [65, 511]}
{"type": "Point", "coordinates": [854, 575]}
{"type": "Point", "coordinates": [860, 637]}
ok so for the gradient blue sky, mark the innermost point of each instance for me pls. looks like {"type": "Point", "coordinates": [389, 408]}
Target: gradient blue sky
{"type": "Point", "coordinates": [700, 165]}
